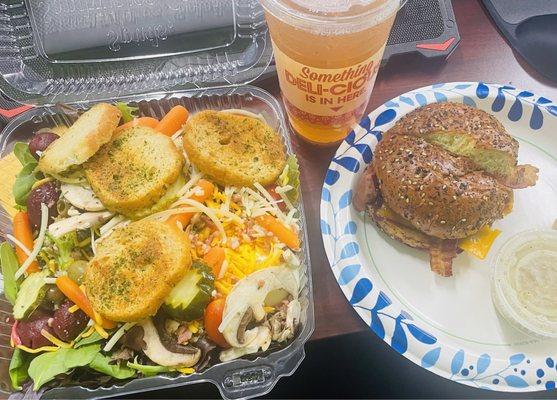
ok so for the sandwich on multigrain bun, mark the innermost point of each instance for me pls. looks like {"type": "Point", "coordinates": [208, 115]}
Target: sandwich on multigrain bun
{"type": "Point", "coordinates": [441, 174]}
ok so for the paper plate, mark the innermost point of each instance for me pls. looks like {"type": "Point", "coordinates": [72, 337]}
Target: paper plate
{"type": "Point", "coordinates": [448, 326]}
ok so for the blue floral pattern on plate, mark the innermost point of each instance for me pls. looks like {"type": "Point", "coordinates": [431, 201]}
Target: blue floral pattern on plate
{"type": "Point", "coordinates": [386, 317]}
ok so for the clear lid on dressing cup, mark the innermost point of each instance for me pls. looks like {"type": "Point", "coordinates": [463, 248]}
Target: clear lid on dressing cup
{"type": "Point", "coordinates": [73, 50]}
{"type": "Point", "coordinates": [523, 282]}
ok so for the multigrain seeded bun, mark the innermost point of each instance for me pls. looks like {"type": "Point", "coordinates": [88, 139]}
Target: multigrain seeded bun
{"type": "Point", "coordinates": [473, 133]}
{"type": "Point", "coordinates": [441, 173]}
{"type": "Point", "coordinates": [440, 194]}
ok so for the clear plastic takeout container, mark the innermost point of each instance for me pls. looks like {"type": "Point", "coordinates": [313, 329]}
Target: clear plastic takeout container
{"type": "Point", "coordinates": [74, 50]}
{"type": "Point", "coordinates": [241, 378]}
{"type": "Point", "coordinates": [156, 54]}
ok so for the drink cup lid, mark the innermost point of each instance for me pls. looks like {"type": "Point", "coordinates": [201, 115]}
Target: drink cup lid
{"type": "Point", "coordinates": [332, 16]}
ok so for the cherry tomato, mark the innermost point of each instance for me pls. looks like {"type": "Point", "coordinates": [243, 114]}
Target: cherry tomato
{"type": "Point", "coordinates": [213, 318]}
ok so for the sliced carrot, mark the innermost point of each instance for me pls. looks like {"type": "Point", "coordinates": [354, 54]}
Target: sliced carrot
{"type": "Point", "coordinates": [143, 121]}
{"type": "Point", "coordinates": [173, 120]}
{"type": "Point", "coordinates": [280, 230]}
{"type": "Point", "coordinates": [214, 259]}
{"type": "Point", "coordinates": [24, 233]}
{"type": "Point", "coordinates": [212, 320]}
{"type": "Point", "coordinates": [206, 189]}
{"type": "Point", "coordinates": [73, 292]}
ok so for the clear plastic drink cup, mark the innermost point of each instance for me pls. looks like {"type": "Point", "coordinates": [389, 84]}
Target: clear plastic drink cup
{"type": "Point", "coordinates": [327, 55]}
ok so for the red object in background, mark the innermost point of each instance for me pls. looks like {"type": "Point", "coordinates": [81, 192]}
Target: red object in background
{"type": "Point", "coordinates": [13, 112]}
{"type": "Point", "coordinates": [436, 46]}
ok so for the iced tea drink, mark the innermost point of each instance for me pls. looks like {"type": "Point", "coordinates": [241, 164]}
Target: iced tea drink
{"type": "Point", "coordinates": [327, 55]}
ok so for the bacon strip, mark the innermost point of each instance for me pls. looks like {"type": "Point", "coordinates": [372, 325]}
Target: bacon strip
{"type": "Point", "coordinates": [522, 177]}
{"type": "Point", "coordinates": [441, 254]}
{"type": "Point", "coordinates": [366, 190]}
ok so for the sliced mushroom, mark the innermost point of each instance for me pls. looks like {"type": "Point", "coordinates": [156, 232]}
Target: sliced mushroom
{"type": "Point", "coordinates": [248, 296]}
{"type": "Point", "coordinates": [167, 339]}
{"type": "Point", "coordinates": [262, 340]}
{"type": "Point", "coordinates": [156, 351]}
{"type": "Point", "coordinates": [133, 339]}
{"type": "Point", "coordinates": [81, 197]}
{"type": "Point", "coordinates": [78, 222]}
{"type": "Point", "coordinates": [246, 319]}
{"type": "Point", "coordinates": [284, 322]}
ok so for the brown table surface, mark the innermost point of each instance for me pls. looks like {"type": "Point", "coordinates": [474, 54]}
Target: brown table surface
{"type": "Point", "coordinates": [482, 55]}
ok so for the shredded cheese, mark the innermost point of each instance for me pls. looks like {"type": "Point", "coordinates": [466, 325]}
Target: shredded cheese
{"type": "Point", "coordinates": [246, 259]}
{"type": "Point", "coordinates": [111, 223]}
{"type": "Point", "coordinates": [38, 242]}
{"type": "Point", "coordinates": [189, 184]}
{"type": "Point", "coordinates": [187, 371]}
{"type": "Point", "coordinates": [54, 340]}
{"type": "Point", "coordinates": [118, 334]}
{"type": "Point", "coordinates": [84, 331]}
{"type": "Point", "coordinates": [38, 350]}
{"type": "Point", "coordinates": [211, 214]}
{"type": "Point", "coordinates": [50, 280]}
{"type": "Point", "coordinates": [41, 182]}
{"type": "Point", "coordinates": [93, 246]}
{"type": "Point", "coordinates": [222, 288]}
{"type": "Point", "coordinates": [89, 332]}
{"type": "Point", "coordinates": [223, 269]}
{"type": "Point", "coordinates": [162, 215]}
{"type": "Point", "coordinates": [193, 327]}
{"type": "Point", "coordinates": [73, 308]}
{"type": "Point", "coordinates": [266, 204]}
{"type": "Point", "coordinates": [100, 330]}
{"type": "Point", "coordinates": [177, 134]}
{"type": "Point", "coordinates": [18, 244]}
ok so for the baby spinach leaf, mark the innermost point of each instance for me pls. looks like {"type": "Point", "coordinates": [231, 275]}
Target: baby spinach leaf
{"type": "Point", "coordinates": [28, 174]}
{"type": "Point", "coordinates": [9, 263]}
{"type": "Point", "coordinates": [18, 368]}
{"type": "Point", "coordinates": [22, 153]}
{"type": "Point", "coordinates": [128, 112]}
{"type": "Point", "coordinates": [102, 364]}
{"type": "Point", "coordinates": [93, 338]}
{"type": "Point", "coordinates": [47, 366]}
{"type": "Point", "coordinates": [148, 370]}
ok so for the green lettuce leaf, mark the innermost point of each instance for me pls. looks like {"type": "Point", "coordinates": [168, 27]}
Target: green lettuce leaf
{"type": "Point", "coordinates": [128, 112]}
{"type": "Point", "coordinates": [148, 370]}
{"type": "Point", "coordinates": [23, 154]}
{"type": "Point", "coordinates": [27, 176]}
{"type": "Point", "coordinates": [93, 338]}
{"type": "Point", "coordinates": [24, 181]}
{"type": "Point", "coordinates": [102, 364]}
{"type": "Point", "coordinates": [9, 263]}
{"type": "Point", "coordinates": [65, 245]}
{"type": "Point", "coordinates": [18, 368]}
{"type": "Point", "coordinates": [291, 176]}
{"type": "Point", "coordinates": [47, 366]}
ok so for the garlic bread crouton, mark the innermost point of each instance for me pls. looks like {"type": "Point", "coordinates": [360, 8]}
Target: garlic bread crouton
{"type": "Point", "coordinates": [134, 170]}
{"type": "Point", "coordinates": [135, 268]}
{"type": "Point", "coordinates": [234, 149]}
{"type": "Point", "coordinates": [82, 140]}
